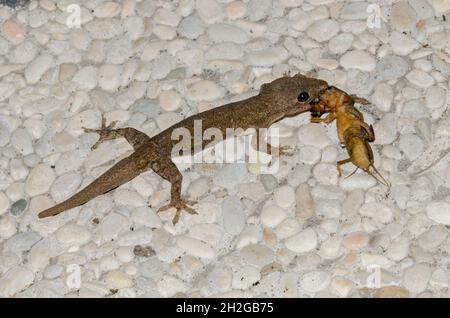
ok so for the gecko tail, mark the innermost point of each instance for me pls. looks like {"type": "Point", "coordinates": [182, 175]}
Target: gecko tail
{"type": "Point", "coordinates": [57, 209]}
{"type": "Point", "coordinates": [117, 175]}
{"type": "Point", "coordinates": [78, 199]}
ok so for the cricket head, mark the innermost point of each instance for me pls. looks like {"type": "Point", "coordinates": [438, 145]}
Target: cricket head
{"type": "Point", "coordinates": [295, 92]}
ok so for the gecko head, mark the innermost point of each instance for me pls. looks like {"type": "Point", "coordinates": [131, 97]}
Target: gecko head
{"type": "Point", "coordinates": [295, 91]}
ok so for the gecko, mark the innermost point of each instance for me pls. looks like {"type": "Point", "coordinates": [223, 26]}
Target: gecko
{"type": "Point", "coordinates": [287, 96]}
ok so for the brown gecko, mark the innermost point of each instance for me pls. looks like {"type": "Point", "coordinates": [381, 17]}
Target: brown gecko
{"type": "Point", "coordinates": [283, 97]}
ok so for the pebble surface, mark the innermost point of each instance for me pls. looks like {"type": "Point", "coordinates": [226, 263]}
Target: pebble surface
{"type": "Point", "coordinates": [298, 231]}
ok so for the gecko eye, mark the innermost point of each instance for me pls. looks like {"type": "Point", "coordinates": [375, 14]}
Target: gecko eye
{"type": "Point", "coordinates": [303, 97]}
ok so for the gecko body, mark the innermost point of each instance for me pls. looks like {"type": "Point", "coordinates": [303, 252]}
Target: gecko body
{"type": "Point", "coordinates": [283, 97]}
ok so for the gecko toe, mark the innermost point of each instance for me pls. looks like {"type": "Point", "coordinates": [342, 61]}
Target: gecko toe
{"type": "Point", "coordinates": [179, 207]}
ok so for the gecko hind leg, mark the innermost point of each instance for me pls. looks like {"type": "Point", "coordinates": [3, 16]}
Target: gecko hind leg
{"type": "Point", "coordinates": [166, 169]}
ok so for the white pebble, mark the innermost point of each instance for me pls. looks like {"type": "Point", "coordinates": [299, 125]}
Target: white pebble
{"type": "Point", "coordinates": [111, 226]}
{"type": "Point", "coordinates": [309, 155]}
{"type": "Point", "coordinates": [37, 18]}
{"type": "Point", "coordinates": [191, 27]}
{"type": "Point", "coordinates": [354, 11]}
{"type": "Point", "coordinates": [439, 212]}
{"type": "Point", "coordinates": [315, 281]}
{"type": "Point", "coordinates": [37, 68]}
{"type": "Point", "coordinates": [259, 9]}
{"type": "Point", "coordinates": [129, 198]}
{"type": "Point", "coordinates": [383, 97]}
{"type": "Point", "coordinates": [141, 236]}
{"type": "Point", "coordinates": [326, 173]}
{"type": "Point", "coordinates": [245, 277]}
{"type": "Point", "coordinates": [107, 9]}
{"type": "Point", "coordinates": [65, 186]}
{"type": "Point", "coordinates": [435, 97]}
{"type": "Point", "coordinates": [377, 211]}
{"type": "Point", "coordinates": [22, 142]}
{"type": "Point", "coordinates": [420, 78]}
{"type": "Point", "coordinates": [272, 215]}
{"type": "Point", "coordinates": [221, 32]}
{"type": "Point", "coordinates": [169, 100]}
{"type": "Point", "coordinates": [323, 30]}
{"type": "Point", "coordinates": [433, 237]}
{"type": "Point", "coordinates": [403, 17]}
{"type": "Point", "coordinates": [399, 249]}
{"type": "Point", "coordinates": [162, 66]}
{"type": "Point", "coordinates": [386, 130]}
{"type": "Point", "coordinates": [73, 235]}
{"type": "Point", "coordinates": [233, 215]}
{"type": "Point", "coordinates": [15, 280]}
{"type": "Point", "coordinates": [104, 29]}
{"type": "Point", "coordinates": [209, 10]}
{"type": "Point", "coordinates": [109, 77]}
{"type": "Point", "coordinates": [267, 57]}
{"type": "Point", "coordinates": [236, 10]}
{"type": "Point", "coordinates": [125, 254]}
{"type": "Point", "coordinates": [169, 286]}
{"type": "Point", "coordinates": [23, 53]}
{"type": "Point", "coordinates": [117, 279]}
{"type": "Point", "coordinates": [402, 44]}
{"type": "Point", "coordinates": [284, 196]}
{"type": "Point", "coordinates": [39, 256]}
{"type": "Point", "coordinates": [313, 135]}
{"type": "Point", "coordinates": [195, 247]}
{"type": "Point", "coordinates": [392, 67]}
{"type": "Point", "coordinates": [411, 145]}
{"type": "Point", "coordinates": [7, 227]}
{"type": "Point", "coordinates": [86, 78]}
{"type": "Point", "coordinates": [357, 181]}
{"type": "Point", "coordinates": [6, 90]}
{"type": "Point", "coordinates": [198, 187]}
{"type": "Point", "coordinates": [204, 90]}
{"type": "Point", "coordinates": [39, 180]}
{"type": "Point", "coordinates": [257, 255]}
{"type": "Point", "coordinates": [416, 277]}
{"type": "Point", "coordinates": [328, 209]}
{"type": "Point", "coordinates": [303, 241]}
{"type": "Point", "coordinates": [166, 17]}
{"type": "Point", "coordinates": [330, 248]}
{"type": "Point", "coordinates": [340, 43]}
{"type": "Point", "coordinates": [358, 59]}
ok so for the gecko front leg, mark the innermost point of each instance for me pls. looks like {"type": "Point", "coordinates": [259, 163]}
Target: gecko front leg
{"type": "Point", "coordinates": [133, 136]}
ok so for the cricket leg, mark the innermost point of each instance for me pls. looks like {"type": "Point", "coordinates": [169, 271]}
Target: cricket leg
{"type": "Point", "coordinates": [166, 169]}
{"type": "Point", "coordinates": [360, 100]}
{"type": "Point", "coordinates": [340, 163]}
{"type": "Point", "coordinates": [134, 137]}
{"type": "Point", "coordinates": [369, 130]}
{"type": "Point", "coordinates": [327, 120]}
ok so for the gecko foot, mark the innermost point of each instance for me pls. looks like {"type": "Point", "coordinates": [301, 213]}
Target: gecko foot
{"type": "Point", "coordinates": [105, 132]}
{"type": "Point", "coordinates": [285, 151]}
{"type": "Point", "coordinates": [179, 206]}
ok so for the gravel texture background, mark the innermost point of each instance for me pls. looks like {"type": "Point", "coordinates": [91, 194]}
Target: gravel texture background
{"type": "Point", "coordinates": [299, 232]}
